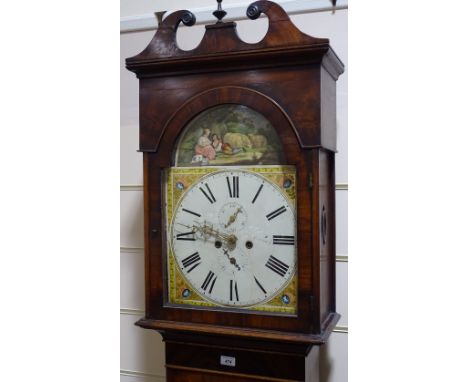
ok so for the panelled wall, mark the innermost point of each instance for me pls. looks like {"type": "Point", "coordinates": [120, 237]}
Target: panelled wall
{"type": "Point", "coordinates": [142, 351]}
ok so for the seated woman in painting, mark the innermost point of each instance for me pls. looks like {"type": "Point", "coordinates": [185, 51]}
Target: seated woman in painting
{"type": "Point", "coordinates": [204, 146]}
{"type": "Point", "coordinates": [217, 143]}
{"type": "Point", "coordinates": [221, 146]}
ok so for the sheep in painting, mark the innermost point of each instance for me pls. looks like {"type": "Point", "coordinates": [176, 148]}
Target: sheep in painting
{"type": "Point", "coordinates": [237, 140]}
{"type": "Point", "coordinates": [258, 140]}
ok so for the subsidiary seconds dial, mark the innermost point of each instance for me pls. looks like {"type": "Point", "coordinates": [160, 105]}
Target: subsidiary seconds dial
{"type": "Point", "coordinates": [233, 236]}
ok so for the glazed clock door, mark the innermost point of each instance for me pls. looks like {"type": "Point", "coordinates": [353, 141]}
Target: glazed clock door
{"type": "Point", "coordinates": [231, 215]}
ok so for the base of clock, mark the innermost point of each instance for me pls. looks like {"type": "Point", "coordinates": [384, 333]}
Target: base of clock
{"type": "Point", "coordinates": [251, 366]}
{"type": "Point", "coordinates": [200, 358]}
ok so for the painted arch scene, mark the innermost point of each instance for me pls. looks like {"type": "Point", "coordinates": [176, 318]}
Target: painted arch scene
{"type": "Point", "coordinates": [229, 135]}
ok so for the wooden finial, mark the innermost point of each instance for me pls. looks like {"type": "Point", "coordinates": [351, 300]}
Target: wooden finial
{"type": "Point", "coordinates": [159, 17]}
{"type": "Point", "coordinates": [219, 13]}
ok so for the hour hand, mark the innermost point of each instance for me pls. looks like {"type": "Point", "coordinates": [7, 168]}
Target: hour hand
{"type": "Point", "coordinates": [231, 220]}
{"type": "Point", "coordinates": [230, 240]}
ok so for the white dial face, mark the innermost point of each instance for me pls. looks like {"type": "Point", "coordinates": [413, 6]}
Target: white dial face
{"type": "Point", "coordinates": [233, 236]}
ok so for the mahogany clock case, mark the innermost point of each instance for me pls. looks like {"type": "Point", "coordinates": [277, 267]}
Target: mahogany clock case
{"type": "Point", "coordinates": [289, 78]}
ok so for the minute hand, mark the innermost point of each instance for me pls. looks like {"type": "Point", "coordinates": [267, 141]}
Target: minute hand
{"type": "Point", "coordinates": [210, 231]}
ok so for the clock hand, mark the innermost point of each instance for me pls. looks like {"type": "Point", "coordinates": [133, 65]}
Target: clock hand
{"type": "Point", "coordinates": [232, 260]}
{"type": "Point", "coordinates": [216, 233]}
{"type": "Point", "coordinates": [207, 230]}
{"type": "Point", "coordinates": [233, 218]}
{"type": "Point", "coordinates": [186, 226]}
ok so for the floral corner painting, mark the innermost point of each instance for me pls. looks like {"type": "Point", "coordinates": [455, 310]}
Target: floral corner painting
{"type": "Point", "coordinates": [229, 134]}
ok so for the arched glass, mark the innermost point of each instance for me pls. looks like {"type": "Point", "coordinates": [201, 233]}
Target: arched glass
{"type": "Point", "coordinates": [229, 134]}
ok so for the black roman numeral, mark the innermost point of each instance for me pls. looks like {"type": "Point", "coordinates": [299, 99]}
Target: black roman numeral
{"type": "Point", "coordinates": [181, 236]}
{"type": "Point", "coordinates": [191, 212]}
{"type": "Point", "coordinates": [283, 240]}
{"type": "Point", "coordinates": [209, 282]}
{"type": "Point", "coordinates": [256, 195]}
{"type": "Point", "coordinates": [208, 195]}
{"type": "Point", "coordinates": [194, 260]}
{"type": "Point", "coordinates": [234, 190]}
{"type": "Point", "coordinates": [233, 285]}
{"type": "Point", "coordinates": [260, 285]}
{"type": "Point", "coordinates": [276, 213]}
{"type": "Point", "coordinates": [277, 266]}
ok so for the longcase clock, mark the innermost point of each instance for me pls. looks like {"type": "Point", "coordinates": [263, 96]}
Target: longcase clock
{"type": "Point", "coordinates": [238, 144]}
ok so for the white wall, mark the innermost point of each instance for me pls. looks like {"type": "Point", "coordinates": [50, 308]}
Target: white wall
{"type": "Point", "coordinates": [142, 351]}
{"type": "Point", "coordinates": [130, 8]}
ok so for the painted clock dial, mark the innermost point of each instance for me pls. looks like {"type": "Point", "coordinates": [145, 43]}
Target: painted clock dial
{"type": "Point", "coordinates": [233, 237]}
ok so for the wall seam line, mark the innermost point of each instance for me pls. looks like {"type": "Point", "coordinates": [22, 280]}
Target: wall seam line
{"type": "Point", "coordinates": [147, 22]}
{"type": "Point", "coordinates": [134, 373]}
